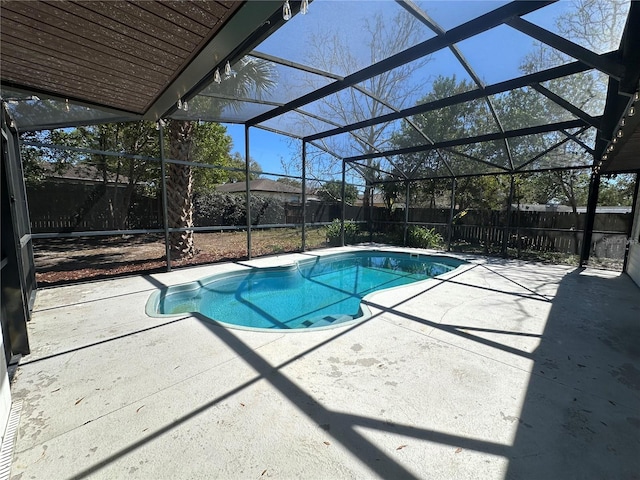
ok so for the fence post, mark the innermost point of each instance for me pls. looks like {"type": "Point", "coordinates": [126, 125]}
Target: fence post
{"type": "Point", "coordinates": [451, 213]}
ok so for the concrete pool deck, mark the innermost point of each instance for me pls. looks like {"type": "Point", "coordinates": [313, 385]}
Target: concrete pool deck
{"type": "Point", "coordinates": [505, 369]}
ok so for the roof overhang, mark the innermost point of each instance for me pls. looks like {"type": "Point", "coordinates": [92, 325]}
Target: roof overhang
{"type": "Point", "coordinates": [618, 148]}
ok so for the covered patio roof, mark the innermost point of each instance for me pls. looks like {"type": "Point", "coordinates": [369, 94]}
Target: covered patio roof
{"type": "Point", "coordinates": [346, 79]}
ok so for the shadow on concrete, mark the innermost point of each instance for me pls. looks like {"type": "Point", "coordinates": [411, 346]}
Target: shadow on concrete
{"type": "Point", "coordinates": [340, 426]}
{"type": "Point", "coordinates": [581, 415]}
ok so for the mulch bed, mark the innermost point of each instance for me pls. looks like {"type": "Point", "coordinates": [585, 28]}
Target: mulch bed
{"type": "Point", "coordinates": [64, 261]}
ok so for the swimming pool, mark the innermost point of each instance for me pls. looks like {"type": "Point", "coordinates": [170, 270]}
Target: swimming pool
{"type": "Point", "coordinates": [321, 292]}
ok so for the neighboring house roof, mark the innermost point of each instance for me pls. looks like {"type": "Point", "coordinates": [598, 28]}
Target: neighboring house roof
{"type": "Point", "coordinates": [82, 173]}
{"type": "Point", "coordinates": [259, 185]}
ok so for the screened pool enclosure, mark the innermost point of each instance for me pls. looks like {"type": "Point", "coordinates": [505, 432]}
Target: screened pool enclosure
{"type": "Point", "coordinates": [503, 132]}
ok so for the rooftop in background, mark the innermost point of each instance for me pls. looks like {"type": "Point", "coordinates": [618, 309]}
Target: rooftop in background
{"type": "Point", "coordinates": [260, 185]}
{"type": "Point", "coordinates": [81, 173]}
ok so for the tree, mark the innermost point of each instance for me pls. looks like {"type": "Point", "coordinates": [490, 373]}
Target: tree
{"type": "Point", "coordinates": [32, 163]}
{"type": "Point", "coordinates": [458, 121]}
{"type": "Point", "coordinates": [212, 146]}
{"type": "Point", "coordinates": [597, 26]}
{"type": "Point", "coordinates": [138, 138]}
{"type": "Point", "coordinates": [180, 188]}
{"type": "Point", "coordinates": [373, 97]}
{"type": "Point", "coordinates": [390, 193]}
{"type": "Point", "coordinates": [332, 192]}
{"type": "Point", "coordinates": [290, 181]}
{"type": "Point", "coordinates": [192, 142]}
{"type": "Point", "coordinates": [617, 190]}
{"type": "Point", "coordinates": [120, 177]}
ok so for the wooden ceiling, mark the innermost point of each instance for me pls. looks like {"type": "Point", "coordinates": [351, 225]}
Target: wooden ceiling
{"type": "Point", "coordinates": [116, 54]}
{"type": "Point", "coordinates": [626, 157]}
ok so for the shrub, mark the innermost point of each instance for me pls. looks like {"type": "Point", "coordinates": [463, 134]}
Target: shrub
{"type": "Point", "coordinates": [350, 231]}
{"type": "Point", "coordinates": [422, 237]}
{"type": "Point", "coordinates": [266, 210]}
{"type": "Point", "coordinates": [216, 208]}
{"type": "Point", "coordinates": [219, 209]}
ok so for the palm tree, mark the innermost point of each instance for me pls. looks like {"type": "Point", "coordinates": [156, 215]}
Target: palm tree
{"type": "Point", "coordinates": [180, 189]}
{"type": "Point", "coordinates": [251, 76]}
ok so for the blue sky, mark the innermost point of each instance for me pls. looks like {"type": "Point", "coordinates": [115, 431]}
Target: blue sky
{"type": "Point", "coordinates": [266, 148]}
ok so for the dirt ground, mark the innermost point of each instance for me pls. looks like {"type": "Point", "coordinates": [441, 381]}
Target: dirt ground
{"type": "Point", "coordinates": [68, 260]}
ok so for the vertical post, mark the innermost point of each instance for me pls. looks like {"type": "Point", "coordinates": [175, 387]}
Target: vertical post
{"type": "Point", "coordinates": [507, 227]}
{"type": "Point", "coordinates": [165, 207]}
{"type": "Point", "coordinates": [304, 195]}
{"type": "Point", "coordinates": [518, 246]}
{"type": "Point", "coordinates": [406, 213]}
{"type": "Point", "coordinates": [247, 188]}
{"type": "Point", "coordinates": [372, 194]}
{"type": "Point", "coordinates": [632, 234]}
{"type": "Point", "coordinates": [451, 213]}
{"type": "Point", "coordinates": [592, 203]}
{"type": "Point", "coordinates": [343, 194]}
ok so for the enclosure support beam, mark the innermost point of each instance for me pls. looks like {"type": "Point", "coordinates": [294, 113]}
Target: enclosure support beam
{"type": "Point", "coordinates": [520, 132]}
{"type": "Point", "coordinates": [566, 105]}
{"type": "Point", "coordinates": [406, 212]}
{"type": "Point", "coordinates": [165, 206]}
{"type": "Point", "coordinates": [606, 65]}
{"type": "Point", "coordinates": [630, 233]}
{"type": "Point", "coordinates": [507, 228]}
{"type": "Point", "coordinates": [372, 194]}
{"type": "Point", "coordinates": [304, 196]}
{"type": "Point", "coordinates": [343, 195]}
{"type": "Point", "coordinates": [451, 212]}
{"type": "Point", "coordinates": [592, 203]}
{"type": "Point", "coordinates": [247, 188]}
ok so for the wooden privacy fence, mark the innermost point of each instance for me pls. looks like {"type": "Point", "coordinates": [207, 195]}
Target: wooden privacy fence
{"type": "Point", "coordinates": [48, 223]}
{"type": "Point", "coordinates": [544, 231]}
{"type": "Point", "coordinates": [548, 231]}
{"type": "Point", "coordinates": [71, 207]}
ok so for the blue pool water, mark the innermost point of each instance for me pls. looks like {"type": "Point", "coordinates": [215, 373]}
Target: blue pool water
{"type": "Point", "coordinates": [320, 292]}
